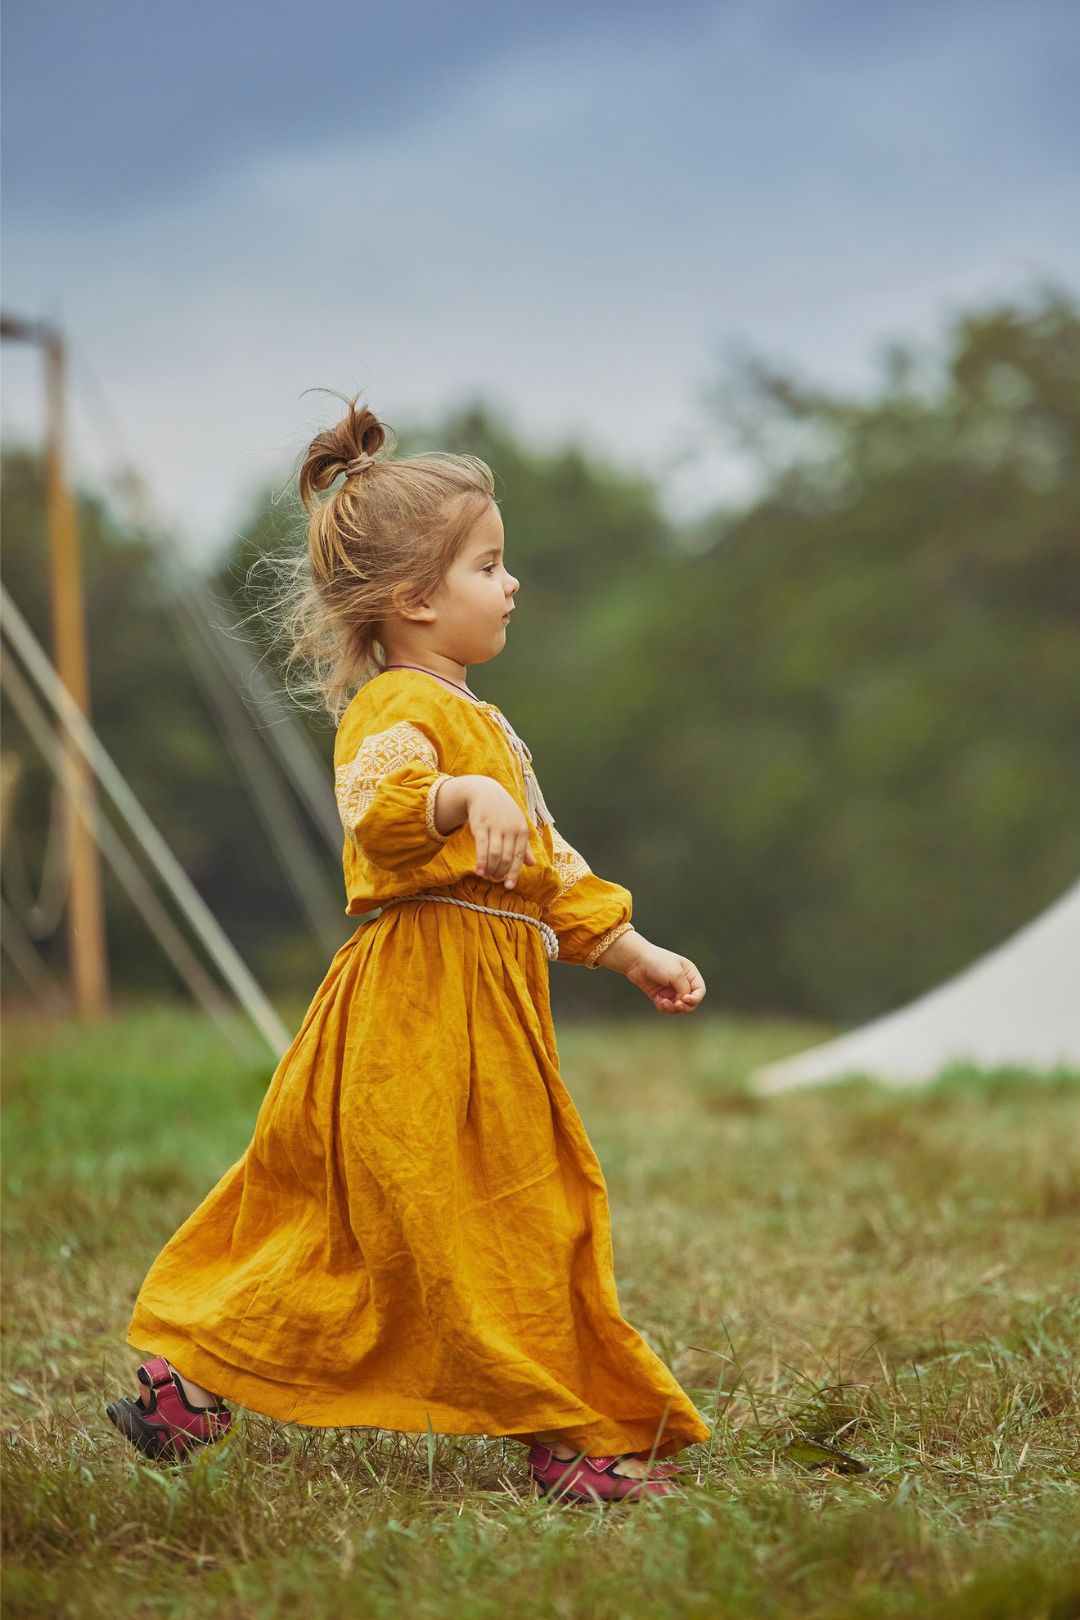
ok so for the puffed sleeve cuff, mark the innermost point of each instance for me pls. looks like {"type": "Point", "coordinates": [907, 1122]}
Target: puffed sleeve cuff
{"type": "Point", "coordinates": [604, 941]}
{"type": "Point", "coordinates": [386, 797]}
{"type": "Point", "coordinates": [587, 917]}
{"type": "Point", "coordinates": [429, 807]}
{"type": "Point", "coordinates": [589, 913]}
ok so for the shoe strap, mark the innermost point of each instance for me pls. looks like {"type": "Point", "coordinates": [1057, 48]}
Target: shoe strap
{"type": "Point", "coordinates": [156, 1372]}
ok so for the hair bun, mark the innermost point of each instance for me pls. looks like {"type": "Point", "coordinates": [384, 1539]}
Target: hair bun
{"type": "Point", "coordinates": [356, 439]}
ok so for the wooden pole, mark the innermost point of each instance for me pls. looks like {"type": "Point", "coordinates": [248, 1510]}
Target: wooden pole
{"type": "Point", "coordinates": [87, 945]}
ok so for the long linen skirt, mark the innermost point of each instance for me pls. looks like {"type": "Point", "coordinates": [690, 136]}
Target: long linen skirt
{"type": "Point", "coordinates": [418, 1235]}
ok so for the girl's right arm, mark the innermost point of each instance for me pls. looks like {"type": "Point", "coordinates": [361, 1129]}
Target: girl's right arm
{"type": "Point", "coordinates": [497, 823]}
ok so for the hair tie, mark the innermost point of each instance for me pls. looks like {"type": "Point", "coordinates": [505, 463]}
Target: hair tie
{"type": "Point", "coordinates": [358, 464]}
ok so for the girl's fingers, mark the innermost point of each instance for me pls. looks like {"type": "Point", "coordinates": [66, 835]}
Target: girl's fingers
{"type": "Point", "coordinates": [527, 858]}
{"type": "Point", "coordinates": [501, 856]}
{"type": "Point", "coordinates": [691, 978]}
{"type": "Point", "coordinates": [670, 1000]}
{"type": "Point", "coordinates": [520, 851]}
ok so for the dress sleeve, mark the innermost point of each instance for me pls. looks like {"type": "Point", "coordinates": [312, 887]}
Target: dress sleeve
{"type": "Point", "coordinates": [588, 913]}
{"type": "Point", "coordinates": [386, 797]}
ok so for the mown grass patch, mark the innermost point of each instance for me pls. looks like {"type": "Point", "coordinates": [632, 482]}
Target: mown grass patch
{"type": "Point", "coordinates": [891, 1274]}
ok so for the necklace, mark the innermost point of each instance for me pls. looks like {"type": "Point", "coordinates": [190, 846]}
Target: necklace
{"type": "Point", "coordinates": [438, 677]}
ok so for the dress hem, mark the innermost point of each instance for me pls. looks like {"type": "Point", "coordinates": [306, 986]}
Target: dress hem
{"type": "Point", "coordinates": [317, 1409]}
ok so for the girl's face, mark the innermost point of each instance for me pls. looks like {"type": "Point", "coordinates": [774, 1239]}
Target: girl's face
{"type": "Point", "coordinates": [476, 597]}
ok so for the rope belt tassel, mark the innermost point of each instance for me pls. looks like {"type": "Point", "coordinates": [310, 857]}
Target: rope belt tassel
{"type": "Point", "coordinates": [547, 933]}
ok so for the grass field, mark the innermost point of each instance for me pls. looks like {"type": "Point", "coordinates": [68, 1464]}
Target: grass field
{"type": "Point", "coordinates": [895, 1274]}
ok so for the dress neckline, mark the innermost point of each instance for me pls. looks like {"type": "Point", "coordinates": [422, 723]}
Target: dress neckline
{"type": "Point", "coordinates": [534, 798]}
{"type": "Point", "coordinates": [473, 702]}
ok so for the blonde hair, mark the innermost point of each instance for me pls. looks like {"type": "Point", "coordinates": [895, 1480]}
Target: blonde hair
{"type": "Point", "coordinates": [397, 522]}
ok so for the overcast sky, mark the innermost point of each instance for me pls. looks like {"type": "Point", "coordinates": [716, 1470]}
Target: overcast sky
{"type": "Point", "coordinates": [569, 211]}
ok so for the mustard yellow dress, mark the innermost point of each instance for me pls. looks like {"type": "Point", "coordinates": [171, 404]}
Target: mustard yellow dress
{"type": "Point", "coordinates": [418, 1233]}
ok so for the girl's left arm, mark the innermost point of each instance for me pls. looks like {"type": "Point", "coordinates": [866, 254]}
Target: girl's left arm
{"type": "Point", "coordinates": [671, 982]}
{"type": "Point", "coordinates": [589, 913]}
{"type": "Point", "coordinates": [592, 921]}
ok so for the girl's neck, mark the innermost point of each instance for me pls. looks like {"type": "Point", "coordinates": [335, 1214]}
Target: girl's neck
{"type": "Point", "coordinates": [438, 677]}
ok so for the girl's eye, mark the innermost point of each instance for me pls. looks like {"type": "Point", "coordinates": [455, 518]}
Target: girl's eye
{"type": "Point", "coordinates": [489, 567]}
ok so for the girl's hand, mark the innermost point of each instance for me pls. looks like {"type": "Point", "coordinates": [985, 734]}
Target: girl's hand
{"type": "Point", "coordinates": [672, 983]}
{"type": "Point", "coordinates": [501, 832]}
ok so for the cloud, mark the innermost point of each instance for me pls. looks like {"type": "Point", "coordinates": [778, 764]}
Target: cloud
{"type": "Point", "coordinates": [573, 232]}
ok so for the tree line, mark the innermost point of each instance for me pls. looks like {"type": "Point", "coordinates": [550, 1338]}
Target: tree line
{"type": "Point", "coordinates": [830, 738]}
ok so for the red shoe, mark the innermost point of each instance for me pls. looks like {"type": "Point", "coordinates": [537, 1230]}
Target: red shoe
{"type": "Point", "coordinates": [591, 1477]}
{"type": "Point", "coordinates": [168, 1426]}
{"type": "Point", "coordinates": [670, 1467]}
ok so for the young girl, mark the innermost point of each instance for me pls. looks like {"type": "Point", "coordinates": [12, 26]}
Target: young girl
{"type": "Point", "coordinates": [418, 1235]}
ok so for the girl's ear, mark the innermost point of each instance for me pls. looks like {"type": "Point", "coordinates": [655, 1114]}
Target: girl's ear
{"type": "Point", "coordinates": [409, 604]}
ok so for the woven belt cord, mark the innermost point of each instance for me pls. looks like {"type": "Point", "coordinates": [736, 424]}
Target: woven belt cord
{"type": "Point", "coordinates": [547, 933]}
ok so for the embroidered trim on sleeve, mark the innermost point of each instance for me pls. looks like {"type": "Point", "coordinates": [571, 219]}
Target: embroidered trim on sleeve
{"type": "Point", "coordinates": [356, 783]}
{"type": "Point", "coordinates": [604, 941]}
{"type": "Point", "coordinates": [429, 809]}
{"type": "Point", "coordinates": [569, 865]}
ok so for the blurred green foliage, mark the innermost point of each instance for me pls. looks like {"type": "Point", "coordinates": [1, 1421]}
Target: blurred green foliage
{"type": "Point", "coordinates": [830, 740]}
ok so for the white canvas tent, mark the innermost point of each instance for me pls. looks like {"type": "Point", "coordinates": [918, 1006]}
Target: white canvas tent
{"type": "Point", "coordinates": [1017, 1006]}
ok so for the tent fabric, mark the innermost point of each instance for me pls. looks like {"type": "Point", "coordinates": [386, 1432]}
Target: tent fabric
{"type": "Point", "coordinates": [1017, 1006]}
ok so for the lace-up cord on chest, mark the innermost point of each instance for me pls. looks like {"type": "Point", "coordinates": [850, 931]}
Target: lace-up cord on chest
{"type": "Point", "coordinates": [534, 798]}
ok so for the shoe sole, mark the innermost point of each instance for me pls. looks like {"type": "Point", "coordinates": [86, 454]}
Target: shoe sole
{"type": "Point", "coordinates": [142, 1435]}
{"type": "Point", "coordinates": [561, 1494]}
